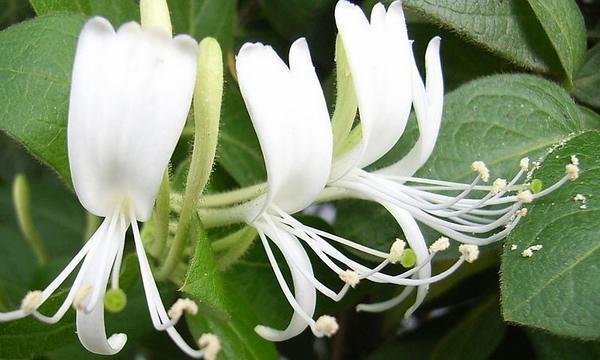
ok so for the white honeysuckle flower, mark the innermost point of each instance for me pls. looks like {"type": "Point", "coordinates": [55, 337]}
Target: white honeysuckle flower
{"type": "Point", "coordinates": [131, 92]}
{"type": "Point", "coordinates": [386, 81]}
{"type": "Point", "coordinates": [379, 56]}
{"type": "Point", "coordinates": [289, 114]}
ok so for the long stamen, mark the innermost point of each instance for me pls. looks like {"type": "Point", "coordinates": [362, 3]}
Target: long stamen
{"type": "Point", "coordinates": [469, 254]}
{"type": "Point", "coordinates": [388, 304]}
{"type": "Point", "coordinates": [160, 318]}
{"type": "Point", "coordinates": [380, 277]}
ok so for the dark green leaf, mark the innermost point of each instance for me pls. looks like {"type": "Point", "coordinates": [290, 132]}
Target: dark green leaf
{"type": "Point", "coordinates": [35, 72]}
{"type": "Point", "coordinates": [550, 347]}
{"type": "Point", "coordinates": [557, 289]}
{"type": "Point", "coordinates": [28, 337]}
{"type": "Point", "coordinates": [476, 336]}
{"type": "Point", "coordinates": [587, 81]}
{"type": "Point", "coordinates": [507, 28]}
{"type": "Point", "coordinates": [201, 18]}
{"type": "Point", "coordinates": [117, 11]}
{"type": "Point", "coordinates": [565, 28]}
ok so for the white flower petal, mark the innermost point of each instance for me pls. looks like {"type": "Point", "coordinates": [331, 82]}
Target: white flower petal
{"type": "Point", "coordinates": [290, 116]}
{"type": "Point", "coordinates": [130, 95]}
{"type": "Point", "coordinates": [95, 273]}
{"type": "Point", "coordinates": [428, 103]}
{"type": "Point", "coordinates": [304, 299]}
{"type": "Point", "coordinates": [379, 57]}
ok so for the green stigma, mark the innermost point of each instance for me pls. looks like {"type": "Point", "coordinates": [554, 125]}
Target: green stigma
{"type": "Point", "coordinates": [409, 258]}
{"type": "Point", "coordinates": [536, 186]}
{"type": "Point", "coordinates": [115, 300]}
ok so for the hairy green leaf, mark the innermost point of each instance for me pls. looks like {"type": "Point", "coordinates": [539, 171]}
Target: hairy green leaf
{"type": "Point", "coordinates": [203, 281]}
{"type": "Point", "coordinates": [556, 289]}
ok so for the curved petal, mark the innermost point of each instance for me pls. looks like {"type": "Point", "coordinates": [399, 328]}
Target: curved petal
{"type": "Point", "coordinates": [130, 95]}
{"type": "Point", "coordinates": [428, 102]}
{"type": "Point", "coordinates": [304, 300]}
{"type": "Point", "coordinates": [95, 273]}
{"type": "Point", "coordinates": [290, 116]}
{"type": "Point", "coordinates": [415, 239]}
{"type": "Point", "coordinates": [379, 57]}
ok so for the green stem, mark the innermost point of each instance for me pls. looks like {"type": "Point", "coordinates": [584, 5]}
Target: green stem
{"type": "Point", "coordinates": [232, 197]}
{"type": "Point", "coordinates": [22, 202]}
{"type": "Point", "coordinates": [161, 217]}
{"type": "Point", "coordinates": [207, 111]}
{"type": "Point", "coordinates": [215, 217]}
{"type": "Point", "coordinates": [155, 13]}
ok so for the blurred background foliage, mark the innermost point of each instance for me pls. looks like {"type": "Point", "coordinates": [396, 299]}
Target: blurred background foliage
{"type": "Point", "coordinates": [506, 116]}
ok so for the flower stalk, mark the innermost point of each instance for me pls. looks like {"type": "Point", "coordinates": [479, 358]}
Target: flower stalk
{"type": "Point", "coordinates": [155, 13]}
{"type": "Point", "coordinates": [207, 111]}
{"type": "Point", "coordinates": [161, 216]}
